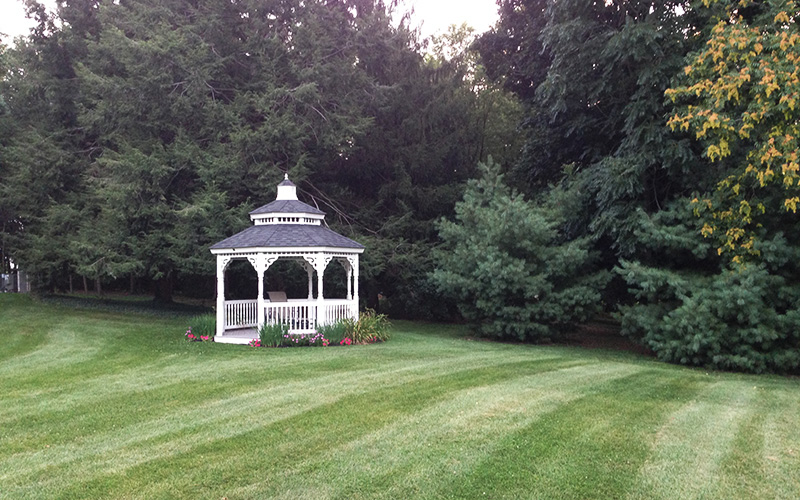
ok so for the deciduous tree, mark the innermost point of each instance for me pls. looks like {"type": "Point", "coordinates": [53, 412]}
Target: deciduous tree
{"type": "Point", "coordinates": [740, 97]}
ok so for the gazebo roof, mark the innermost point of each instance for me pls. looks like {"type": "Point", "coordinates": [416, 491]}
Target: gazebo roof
{"type": "Point", "coordinates": [288, 223]}
{"type": "Point", "coordinates": [287, 207]}
{"type": "Point", "coordinates": [287, 236]}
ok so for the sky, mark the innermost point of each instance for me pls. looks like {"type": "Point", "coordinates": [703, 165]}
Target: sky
{"type": "Point", "coordinates": [434, 15]}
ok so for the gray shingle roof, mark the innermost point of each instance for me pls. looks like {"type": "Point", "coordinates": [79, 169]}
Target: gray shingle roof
{"type": "Point", "coordinates": [287, 207]}
{"type": "Point", "coordinates": [287, 235]}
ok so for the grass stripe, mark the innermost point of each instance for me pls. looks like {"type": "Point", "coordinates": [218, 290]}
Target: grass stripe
{"type": "Point", "coordinates": [691, 447]}
{"type": "Point", "coordinates": [587, 448]}
{"type": "Point", "coordinates": [300, 433]}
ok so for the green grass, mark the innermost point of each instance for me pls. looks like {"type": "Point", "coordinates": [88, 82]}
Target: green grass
{"type": "Point", "coordinates": [116, 404]}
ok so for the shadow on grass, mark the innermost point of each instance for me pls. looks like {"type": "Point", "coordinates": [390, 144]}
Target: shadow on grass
{"type": "Point", "coordinates": [601, 333]}
{"type": "Point", "coordinates": [133, 303]}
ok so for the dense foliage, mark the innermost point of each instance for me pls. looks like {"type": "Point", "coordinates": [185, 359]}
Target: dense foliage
{"type": "Point", "coordinates": [740, 95]}
{"type": "Point", "coordinates": [508, 267]}
{"type": "Point", "coordinates": [593, 78]}
{"type": "Point", "coordinates": [689, 310]}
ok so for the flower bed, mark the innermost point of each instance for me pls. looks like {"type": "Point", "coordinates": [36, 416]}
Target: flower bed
{"type": "Point", "coordinates": [368, 329]}
{"type": "Point", "coordinates": [191, 337]}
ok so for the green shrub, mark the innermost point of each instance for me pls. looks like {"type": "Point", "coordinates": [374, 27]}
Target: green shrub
{"type": "Point", "coordinates": [370, 327]}
{"type": "Point", "coordinates": [273, 335]}
{"type": "Point", "coordinates": [510, 268]}
{"type": "Point", "coordinates": [691, 308]}
{"type": "Point", "coordinates": [744, 319]}
{"type": "Point", "coordinates": [204, 325]}
{"type": "Point", "coordinates": [334, 332]}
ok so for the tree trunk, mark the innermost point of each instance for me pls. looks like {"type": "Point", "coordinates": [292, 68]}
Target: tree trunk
{"type": "Point", "coordinates": [98, 288]}
{"type": "Point", "coordinates": [133, 284]}
{"type": "Point", "coordinates": [85, 286]}
{"type": "Point", "coordinates": [71, 288]}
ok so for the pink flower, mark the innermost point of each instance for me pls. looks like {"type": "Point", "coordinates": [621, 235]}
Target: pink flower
{"type": "Point", "coordinates": [190, 336]}
{"type": "Point", "coordinates": [204, 337]}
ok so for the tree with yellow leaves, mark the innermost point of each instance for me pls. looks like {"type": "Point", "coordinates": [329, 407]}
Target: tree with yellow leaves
{"type": "Point", "coordinates": [740, 96]}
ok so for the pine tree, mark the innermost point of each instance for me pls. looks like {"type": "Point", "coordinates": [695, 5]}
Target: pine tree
{"type": "Point", "coordinates": [509, 269]}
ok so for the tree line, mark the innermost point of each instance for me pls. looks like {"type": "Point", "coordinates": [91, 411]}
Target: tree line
{"type": "Point", "coordinates": [138, 133]}
{"type": "Point", "coordinates": [634, 157]}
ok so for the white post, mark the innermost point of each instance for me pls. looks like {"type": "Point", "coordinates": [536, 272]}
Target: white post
{"type": "Point", "coordinates": [220, 295]}
{"type": "Point", "coordinates": [320, 265]}
{"type": "Point", "coordinates": [260, 267]}
{"type": "Point", "coordinates": [349, 282]}
{"type": "Point", "coordinates": [355, 287]}
{"type": "Point", "coordinates": [320, 273]}
{"type": "Point", "coordinates": [310, 271]}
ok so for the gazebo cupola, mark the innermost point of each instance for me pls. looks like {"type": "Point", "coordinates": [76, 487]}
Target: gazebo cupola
{"type": "Point", "coordinates": [287, 209]}
{"type": "Point", "coordinates": [286, 228]}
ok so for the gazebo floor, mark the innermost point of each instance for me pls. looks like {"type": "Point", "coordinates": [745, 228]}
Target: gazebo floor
{"type": "Point", "coordinates": [246, 335]}
{"type": "Point", "coordinates": [238, 336]}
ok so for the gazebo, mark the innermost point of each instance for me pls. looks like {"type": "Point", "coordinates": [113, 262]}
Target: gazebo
{"type": "Point", "coordinates": [285, 229]}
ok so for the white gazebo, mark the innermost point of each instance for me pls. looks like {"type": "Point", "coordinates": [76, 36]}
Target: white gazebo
{"type": "Point", "coordinates": [285, 229]}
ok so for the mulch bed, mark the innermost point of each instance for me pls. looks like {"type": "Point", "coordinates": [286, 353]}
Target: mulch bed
{"type": "Point", "coordinates": [604, 335]}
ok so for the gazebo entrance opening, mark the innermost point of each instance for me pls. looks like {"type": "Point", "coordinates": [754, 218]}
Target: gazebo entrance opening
{"type": "Point", "coordinates": [240, 280]}
{"type": "Point", "coordinates": [291, 277]}
{"type": "Point", "coordinates": [287, 230]}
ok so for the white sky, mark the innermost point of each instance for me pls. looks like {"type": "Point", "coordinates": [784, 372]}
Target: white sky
{"type": "Point", "coordinates": [434, 15]}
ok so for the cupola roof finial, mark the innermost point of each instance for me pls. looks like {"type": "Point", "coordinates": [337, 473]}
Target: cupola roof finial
{"type": "Point", "coordinates": [286, 189]}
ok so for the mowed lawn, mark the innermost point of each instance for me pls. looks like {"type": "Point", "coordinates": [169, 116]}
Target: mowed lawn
{"type": "Point", "coordinates": [97, 404]}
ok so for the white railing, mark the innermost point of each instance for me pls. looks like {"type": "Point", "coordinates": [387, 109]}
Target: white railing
{"type": "Point", "coordinates": [301, 315]}
{"type": "Point", "coordinates": [335, 310]}
{"type": "Point", "coordinates": [241, 314]}
{"type": "Point", "coordinates": [297, 315]}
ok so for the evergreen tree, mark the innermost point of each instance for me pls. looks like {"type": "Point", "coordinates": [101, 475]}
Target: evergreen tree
{"type": "Point", "coordinates": [43, 155]}
{"type": "Point", "coordinates": [692, 309]}
{"type": "Point", "coordinates": [434, 118]}
{"type": "Point", "coordinates": [510, 270]}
